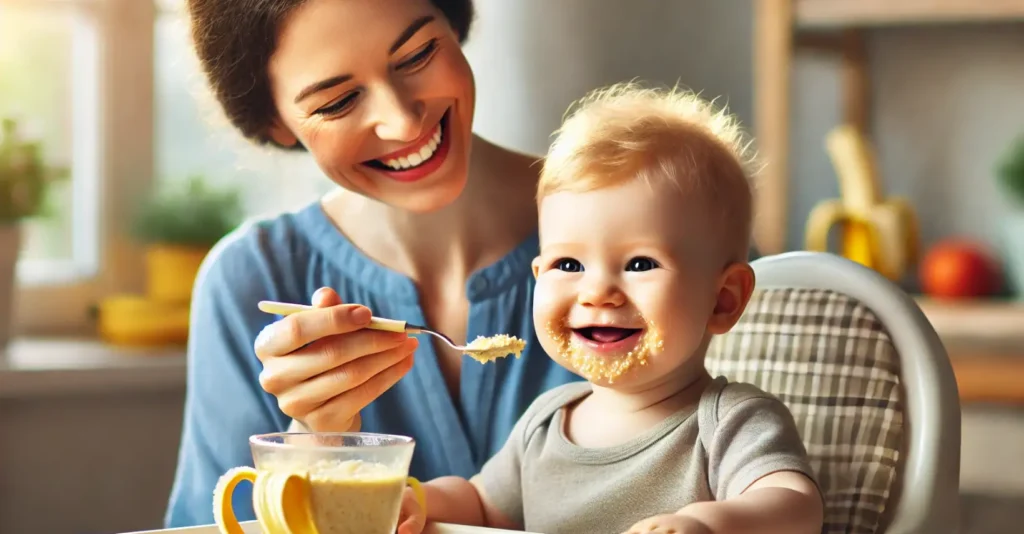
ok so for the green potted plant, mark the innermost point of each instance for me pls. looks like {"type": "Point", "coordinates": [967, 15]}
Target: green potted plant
{"type": "Point", "coordinates": [24, 181]}
{"type": "Point", "coordinates": [178, 225]}
{"type": "Point", "coordinates": [1010, 173]}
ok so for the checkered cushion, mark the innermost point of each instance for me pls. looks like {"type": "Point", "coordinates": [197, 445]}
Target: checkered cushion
{"type": "Point", "coordinates": [830, 359]}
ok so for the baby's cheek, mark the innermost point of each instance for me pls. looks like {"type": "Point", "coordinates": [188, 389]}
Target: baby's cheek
{"type": "Point", "coordinates": [549, 315]}
{"type": "Point", "coordinates": [553, 347]}
{"type": "Point", "coordinates": [549, 301]}
{"type": "Point", "coordinates": [679, 321]}
{"type": "Point", "coordinates": [546, 323]}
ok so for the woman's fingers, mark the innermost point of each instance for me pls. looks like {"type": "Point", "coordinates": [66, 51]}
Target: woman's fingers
{"type": "Point", "coordinates": [324, 366]}
{"type": "Point", "coordinates": [284, 372]}
{"type": "Point", "coordinates": [303, 397]}
{"type": "Point", "coordinates": [339, 411]}
{"type": "Point", "coordinates": [325, 297]}
{"type": "Point", "coordinates": [300, 329]}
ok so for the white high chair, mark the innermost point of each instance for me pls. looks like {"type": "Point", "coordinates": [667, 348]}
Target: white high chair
{"type": "Point", "coordinates": [869, 384]}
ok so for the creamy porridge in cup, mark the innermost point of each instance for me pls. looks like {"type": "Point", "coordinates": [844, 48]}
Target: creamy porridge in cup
{"type": "Point", "coordinates": [321, 483]}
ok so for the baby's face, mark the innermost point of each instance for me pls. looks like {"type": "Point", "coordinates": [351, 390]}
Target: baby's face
{"type": "Point", "coordinates": [627, 279]}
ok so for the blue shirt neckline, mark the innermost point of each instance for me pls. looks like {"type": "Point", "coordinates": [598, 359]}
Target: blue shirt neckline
{"type": "Point", "coordinates": [485, 283]}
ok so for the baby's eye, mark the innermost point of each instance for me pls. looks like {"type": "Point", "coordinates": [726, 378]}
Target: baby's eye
{"type": "Point", "coordinates": [569, 265]}
{"type": "Point", "coordinates": [641, 263]}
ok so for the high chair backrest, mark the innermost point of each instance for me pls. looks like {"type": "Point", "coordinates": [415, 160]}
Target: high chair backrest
{"type": "Point", "coordinates": [869, 384]}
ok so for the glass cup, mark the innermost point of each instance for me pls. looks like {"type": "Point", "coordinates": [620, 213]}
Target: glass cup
{"type": "Point", "coordinates": [322, 483]}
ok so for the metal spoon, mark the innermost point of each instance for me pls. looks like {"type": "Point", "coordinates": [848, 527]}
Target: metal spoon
{"type": "Point", "coordinates": [484, 352]}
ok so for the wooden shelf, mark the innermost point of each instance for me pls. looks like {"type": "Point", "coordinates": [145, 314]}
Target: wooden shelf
{"type": "Point", "coordinates": [866, 13]}
{"type": "Point", "coordinates": [989, 377]}
{"type": "Point", "coordinates": [996, 323]}
{"type": "Point", "coordinates": [985, 342]}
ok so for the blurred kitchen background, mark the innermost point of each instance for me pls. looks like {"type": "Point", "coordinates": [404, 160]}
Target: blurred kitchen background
{"type": "Point", "coordinates": [106, 97]}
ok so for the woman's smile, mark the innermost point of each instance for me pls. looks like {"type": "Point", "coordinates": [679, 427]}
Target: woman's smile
{"type": "Point", "coordinates": [418, 160]}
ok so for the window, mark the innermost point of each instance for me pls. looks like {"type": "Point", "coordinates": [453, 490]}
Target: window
{"type": "Point", "coordinates": [35, 83]}
{"type": "Point", "coordinates": [50, 82]}
{"type": "Point", "coordinates": [193, 137]}
{"type": "Point", "coordinates": [113, 89]}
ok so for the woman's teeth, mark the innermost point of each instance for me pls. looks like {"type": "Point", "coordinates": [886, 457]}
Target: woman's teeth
{"type": "Point", "coordinates": [416, 159]}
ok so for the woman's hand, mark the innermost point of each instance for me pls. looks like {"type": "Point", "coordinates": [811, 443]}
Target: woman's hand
{"type": "Point", "coordinates": [324, 366]}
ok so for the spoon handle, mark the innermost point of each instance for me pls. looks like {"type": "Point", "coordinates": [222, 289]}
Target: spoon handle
{"type": "Point", "coordinates": [287, 308]}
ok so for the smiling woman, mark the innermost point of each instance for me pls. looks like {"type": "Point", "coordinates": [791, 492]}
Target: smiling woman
{"type": "Point", "coordinates": [401, 90]}
{"type": "Point", "coordinates": [381, 96]}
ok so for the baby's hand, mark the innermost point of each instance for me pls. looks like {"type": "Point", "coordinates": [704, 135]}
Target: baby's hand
{"type": "Point", "coordinates": [669, 524]}
{"type": "Point", "coordinates": [411, 519]}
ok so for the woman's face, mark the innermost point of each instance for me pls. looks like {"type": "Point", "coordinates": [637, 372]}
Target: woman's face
{"type": "Point", "coordinates": [381, 94]}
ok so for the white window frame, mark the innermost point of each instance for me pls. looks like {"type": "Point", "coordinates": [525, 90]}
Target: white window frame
{"type": "Point", "coordinates": [112, 167]}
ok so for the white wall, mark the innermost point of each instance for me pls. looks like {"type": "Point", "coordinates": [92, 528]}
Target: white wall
{"type": "Point", "coordinates": [947, 100]}
{"type": "Point", "coordinates": [532, 58]}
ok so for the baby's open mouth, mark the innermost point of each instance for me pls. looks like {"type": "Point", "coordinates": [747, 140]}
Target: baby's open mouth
{"type": "Point", "coordinates": [605, 352]}
{"type": "Point", "coordinates": [606, 334]}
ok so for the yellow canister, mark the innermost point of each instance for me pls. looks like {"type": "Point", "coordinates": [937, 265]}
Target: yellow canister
{"type": "Point", "coordinates": [133, 320]}
{"type": "Point", "coordinates": [171, 271]}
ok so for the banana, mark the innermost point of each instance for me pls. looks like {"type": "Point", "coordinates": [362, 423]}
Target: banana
{"type": "Point", "coordinates": [880, 233]}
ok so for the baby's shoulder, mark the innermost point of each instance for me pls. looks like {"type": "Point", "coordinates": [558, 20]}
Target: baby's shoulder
{"type": "Point", "coordinates": [743, 395]}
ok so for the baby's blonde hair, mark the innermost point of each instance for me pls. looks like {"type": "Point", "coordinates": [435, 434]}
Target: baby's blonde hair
{"type": "Point", "coordinates": [625, 132]}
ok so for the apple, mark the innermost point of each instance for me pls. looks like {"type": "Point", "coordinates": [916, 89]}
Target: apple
{"type": "Point", "coordinates": [959, 269]}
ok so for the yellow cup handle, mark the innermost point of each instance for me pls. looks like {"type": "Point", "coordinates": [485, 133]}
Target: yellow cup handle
{"type": "Point", "coordinates": [281, 501]}
{"type": "Point", "coordinates": [417, 490]}
{"type": "Point", "coordinates": [223, 512]}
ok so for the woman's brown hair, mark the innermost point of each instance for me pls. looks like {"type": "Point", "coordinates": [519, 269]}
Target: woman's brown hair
{"type": "Point", "coordinates": [234, 40]}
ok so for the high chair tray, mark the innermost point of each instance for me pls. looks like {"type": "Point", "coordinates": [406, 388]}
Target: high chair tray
{"type": "Point", "coordinates": [250, 527]}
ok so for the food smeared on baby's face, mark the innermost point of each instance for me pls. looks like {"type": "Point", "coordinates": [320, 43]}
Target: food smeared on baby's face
{"type": "Point", "coordinates": [604, 353]}
{"type": "Point", "coordinates": [486, 349]}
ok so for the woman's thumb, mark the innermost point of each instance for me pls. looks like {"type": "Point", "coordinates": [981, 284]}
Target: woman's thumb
{"type": "Point", "coordinates": [326, 297]}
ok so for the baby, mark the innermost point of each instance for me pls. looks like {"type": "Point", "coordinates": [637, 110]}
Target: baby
{"type": "Point", "coordinates": [645, 213]}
